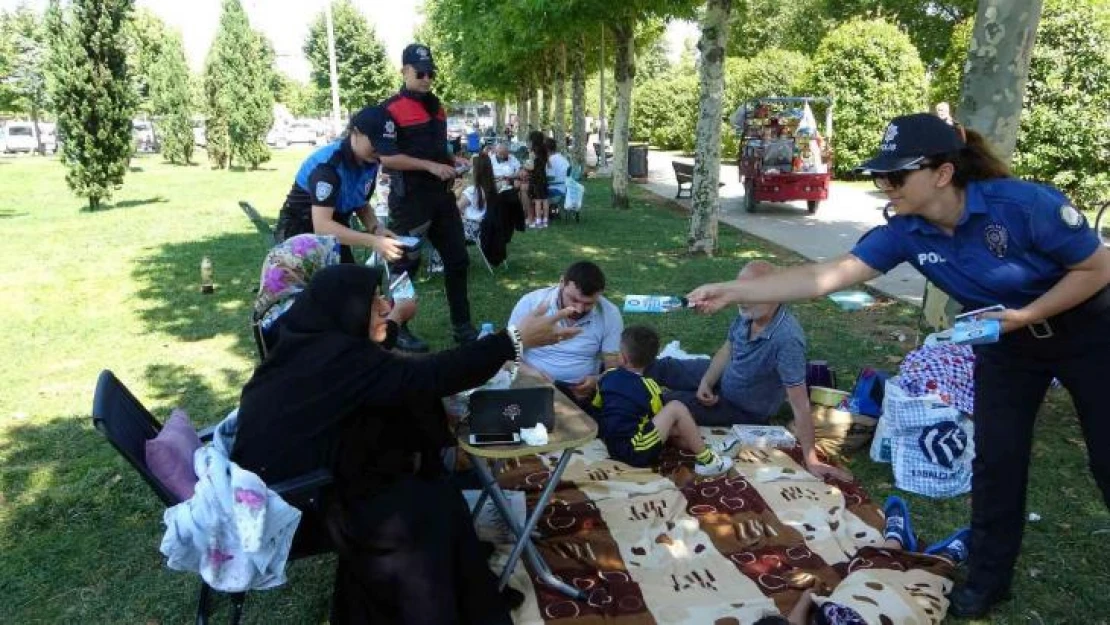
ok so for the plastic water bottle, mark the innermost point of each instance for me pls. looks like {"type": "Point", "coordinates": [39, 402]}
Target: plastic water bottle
{"type": "Point", "coordinates": [654, 303]}
{"type": "Point", "coordinates": [487, 329]}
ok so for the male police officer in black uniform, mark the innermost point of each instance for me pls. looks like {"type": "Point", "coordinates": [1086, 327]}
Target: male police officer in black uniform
{"type": "Point", "coordinates": [412, 146]}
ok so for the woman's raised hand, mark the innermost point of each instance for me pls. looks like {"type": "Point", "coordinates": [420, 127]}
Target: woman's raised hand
{"type": "Point", "coordinates": [709, 298]}
{"type": "Point", "coordinates": [539, 328]}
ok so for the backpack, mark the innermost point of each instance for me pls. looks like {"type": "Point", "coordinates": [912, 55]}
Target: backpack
{"type": "Point", "coordinates": [867, 393]}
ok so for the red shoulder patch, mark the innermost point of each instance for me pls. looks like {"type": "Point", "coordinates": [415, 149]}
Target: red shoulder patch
{"type": "Point", "coordinates": [408, 112]}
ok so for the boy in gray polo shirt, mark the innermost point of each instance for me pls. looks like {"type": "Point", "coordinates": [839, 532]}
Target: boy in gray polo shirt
{"type": "Point", "coordinates": [761, 365]}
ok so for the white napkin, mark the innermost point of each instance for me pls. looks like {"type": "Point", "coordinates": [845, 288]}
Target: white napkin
{"type": "Point", "coordinates": [535, 435]}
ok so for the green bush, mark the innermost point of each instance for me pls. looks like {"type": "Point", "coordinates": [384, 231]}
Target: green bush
{"type": "Point", "coordinates": [875, 73]}
{"type": "Point", "coordinates": [665, 111]}
{"type": "Point", "coordinates": [1064, 137]}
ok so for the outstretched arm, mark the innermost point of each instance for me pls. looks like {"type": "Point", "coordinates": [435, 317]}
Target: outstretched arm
{"type": "Point", "coordinates": [792, 284]}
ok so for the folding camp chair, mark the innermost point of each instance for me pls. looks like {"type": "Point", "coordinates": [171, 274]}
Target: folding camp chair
{"type": "Point", "coordinates": [128, 425]}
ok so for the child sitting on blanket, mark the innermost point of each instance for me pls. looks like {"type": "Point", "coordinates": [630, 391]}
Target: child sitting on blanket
{"type": "Point", "coordinates": [633, 421]}
{"type": "Point", "coordinates": [898, 535]}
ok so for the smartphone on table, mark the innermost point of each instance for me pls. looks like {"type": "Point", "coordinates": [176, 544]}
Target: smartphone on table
{"type": "Point", "coordinates": [479, 440]}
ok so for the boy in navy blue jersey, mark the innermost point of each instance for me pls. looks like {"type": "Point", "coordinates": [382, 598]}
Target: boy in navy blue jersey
{"type": "Point", "coordinates": [632, 419]}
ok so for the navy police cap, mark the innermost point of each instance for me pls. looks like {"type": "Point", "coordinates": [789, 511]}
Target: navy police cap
{"type": "Point", "coordinates": [910, 139]}
{"type": "Point", "coordinates": [419, 56]}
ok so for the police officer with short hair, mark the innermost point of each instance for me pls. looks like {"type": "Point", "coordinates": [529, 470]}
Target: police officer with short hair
{"type": "Point", "coordinates": [333, 184]}
{"type": "Point", "coordinates": [412, 146]}
{"type": "Point", "coordinates": [985, 239]}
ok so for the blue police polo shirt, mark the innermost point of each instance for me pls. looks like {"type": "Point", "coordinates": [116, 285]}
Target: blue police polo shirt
{"type": "Point", "coordinates": [760, 368]}
{"type": "Point", "coordinates": [334, 177]}
{"type": "Point", "coordinates": [1015, 241]}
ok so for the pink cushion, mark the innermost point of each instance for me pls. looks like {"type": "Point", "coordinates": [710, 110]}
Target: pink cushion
{"type": "Point", "coordinates": [169, 456]}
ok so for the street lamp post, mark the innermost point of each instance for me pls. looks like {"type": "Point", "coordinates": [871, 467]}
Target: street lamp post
{"type": "Point", "coordinates": [331, 66]}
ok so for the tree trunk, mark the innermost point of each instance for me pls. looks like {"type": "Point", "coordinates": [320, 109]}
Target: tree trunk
{"type": "Point", "coordinates": [533, 109]}
{"type": "Point", "coordinates": [707, 153]}
{"type": "Point", "coordinates": [545, 112]}
{"type": "Point", "coordinates": [624, 72]}
{"type": "Point", "coordinates": [997, 66]}
{"type": "Point", "coordinates": [578, 103]}
{"type": "Point", "coordinates": [40, 147]}
{"type": "Point", "coordinates": [522, 112]}
{"type": "Point", "coordinates": [993, 89]}
{"type": "Point", "coordinates": [558, 124]}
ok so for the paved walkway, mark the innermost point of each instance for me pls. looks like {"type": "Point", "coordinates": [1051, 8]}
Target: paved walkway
{"type": "Point", "coordinates": [840, 221]}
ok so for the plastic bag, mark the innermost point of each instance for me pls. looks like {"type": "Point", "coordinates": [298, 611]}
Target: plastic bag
{"type": "Point", "coordinates": [575, 194]}
{"type": "Point", "coordinates": [933, 443]}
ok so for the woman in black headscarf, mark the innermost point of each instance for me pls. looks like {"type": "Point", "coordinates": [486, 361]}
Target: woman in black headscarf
{"type": "Point", "coordinates": [331, 395]}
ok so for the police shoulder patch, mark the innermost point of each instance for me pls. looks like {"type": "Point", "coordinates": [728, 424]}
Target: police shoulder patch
{"type": "Point", "coordinates": [1072, 217]}
{"type": "Point", "coordinates": [323, 190]}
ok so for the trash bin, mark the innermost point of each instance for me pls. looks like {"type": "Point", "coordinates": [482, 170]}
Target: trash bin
{"type": "Point", "coordinates": [637, 160]}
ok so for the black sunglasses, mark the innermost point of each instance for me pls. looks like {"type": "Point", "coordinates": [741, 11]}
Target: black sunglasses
{"type": "Point", "coordinates": [895, 179]}
{"type": "Point", "coordinates": [423, 75]}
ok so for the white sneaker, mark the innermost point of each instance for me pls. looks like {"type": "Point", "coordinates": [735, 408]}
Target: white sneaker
{"type": "Point", "coordinates": [725, 446]}
{"type": "Point", "coordinates": [720, 465]}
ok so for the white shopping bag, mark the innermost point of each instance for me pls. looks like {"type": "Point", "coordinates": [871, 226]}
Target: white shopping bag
{"type": "Point", "coordinates": [575, 194]}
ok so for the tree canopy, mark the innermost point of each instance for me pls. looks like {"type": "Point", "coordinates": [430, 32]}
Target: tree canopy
{"type": "Point", "coordinates": [365, 74]}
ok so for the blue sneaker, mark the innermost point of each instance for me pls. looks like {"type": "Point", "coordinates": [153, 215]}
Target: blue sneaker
{"type": "Point", "coordinates": [954, 548]}
{"type": "Point", "coordinates": [898, 525]}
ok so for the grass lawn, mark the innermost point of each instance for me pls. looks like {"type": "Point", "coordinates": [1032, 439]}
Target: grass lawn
{"type": "Point", "coordinates": [118, 289]}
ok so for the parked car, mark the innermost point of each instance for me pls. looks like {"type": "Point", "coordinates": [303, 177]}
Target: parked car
{"type": "Point", "coordinates": [278, 137]}
{"type": "Point", "coordinates": [303, 131]}
{"type": "Point", "coordinates": [143, 133]}
{"type": "Point", "coordinates": [198, 133]}
{"type": "Point", "coordinates": [19, 137]}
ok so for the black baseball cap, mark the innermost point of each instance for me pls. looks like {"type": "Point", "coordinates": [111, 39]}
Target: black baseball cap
{"type": "Point", "coordinates": [370, 121]}
{"type": "Point", "coordinates": [419, 56]}
{"type": "Point", "coordinates": [910, 139]}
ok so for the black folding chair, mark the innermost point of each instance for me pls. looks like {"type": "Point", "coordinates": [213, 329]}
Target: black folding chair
{"type": "Point", "coordinates": [127, 425]}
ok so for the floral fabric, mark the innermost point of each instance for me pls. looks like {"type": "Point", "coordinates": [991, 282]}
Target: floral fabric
{"type": "Point", "coordinates": [286, 271]}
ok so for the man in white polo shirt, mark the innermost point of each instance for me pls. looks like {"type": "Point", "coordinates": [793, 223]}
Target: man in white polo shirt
{"type": "Point", "coordinates": [573, 365]}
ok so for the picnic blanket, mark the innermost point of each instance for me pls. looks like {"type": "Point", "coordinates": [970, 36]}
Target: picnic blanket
{"type": "Point", "coordinates": [659, 546]}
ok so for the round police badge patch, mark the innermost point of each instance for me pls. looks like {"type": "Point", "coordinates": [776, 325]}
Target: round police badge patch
{"type": "Point", "coordinates": [323, 191]}
{"type": "Point", "coordinates": [1072, 217]}
{"type": "Point", "coordinates": [997, 238]}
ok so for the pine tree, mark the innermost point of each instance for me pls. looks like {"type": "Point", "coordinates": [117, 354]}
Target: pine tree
{"type": "Point", "coordinates": [170, 100]}
{"type": "Point", "coordinates": [92, 94]}
{"type": "Point", "coordinates": [23, 88]}
{"type": "Point", "coordinates": [239, 98]}
{"type": "Point", "coordinates": [365, 75]}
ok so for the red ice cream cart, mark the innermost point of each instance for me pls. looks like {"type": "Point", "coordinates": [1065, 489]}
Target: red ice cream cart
{"type": "Point", "coordinates": [784, 155]}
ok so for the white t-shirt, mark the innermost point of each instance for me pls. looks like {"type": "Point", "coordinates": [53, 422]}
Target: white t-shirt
{"type": "Point", "coordinates": [580, 356]}
{"type": "Point", "coordinates": [557, 169]}
{"type": "Point", "coordinates": [474, 211]}
{"type": "Point", "coordinates": [507, 169]}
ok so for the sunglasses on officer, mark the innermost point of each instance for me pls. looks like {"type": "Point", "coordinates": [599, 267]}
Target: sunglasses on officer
{"type": "Point", "coordinates": [422, 75]}
{"type": "Point", "coordinates": [888, 180]}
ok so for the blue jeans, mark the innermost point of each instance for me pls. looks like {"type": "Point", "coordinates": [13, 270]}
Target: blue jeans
{"type": "Point", "coordinates": [681, 379]}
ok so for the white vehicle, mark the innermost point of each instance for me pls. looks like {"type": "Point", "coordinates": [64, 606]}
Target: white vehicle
{"type": "Point", "coordinates": [199, 138]}
{"type": "Point", "coordinates": [19, 137]}
{"type": "Point", "coordinates": [143, 133]}
{"type": "Point", "coordinates": [302, 131]}
{"type": "Point", "coordinates": [278, 137]}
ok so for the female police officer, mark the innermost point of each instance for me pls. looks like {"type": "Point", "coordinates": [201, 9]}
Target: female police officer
{"type": "Point", "coordinates": [335, 182]}
{"type": "Point", "coordinates": [985, 239]}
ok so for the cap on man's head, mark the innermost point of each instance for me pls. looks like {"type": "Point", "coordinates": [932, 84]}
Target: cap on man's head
{"type": "Point", "coordinates": [419, 56]}
{"type": "Point", "coordinates": [910, 139]}
{"type": "Point", "coordinates": [374, 122]}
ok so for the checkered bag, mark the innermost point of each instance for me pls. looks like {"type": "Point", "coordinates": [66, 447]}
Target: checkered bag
{"type": "Point", "coordinates": [945, 370]}
{"type": "Point", "coordinates": [932, 444]}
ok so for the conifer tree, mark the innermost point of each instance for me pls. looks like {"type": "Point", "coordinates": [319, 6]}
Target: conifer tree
{"type": "Point", "coordinates": [170, 100]}
{"type": "Point", "coordinates": [92, 94]}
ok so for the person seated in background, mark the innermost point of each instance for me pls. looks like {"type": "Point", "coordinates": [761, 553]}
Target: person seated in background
{"type": "Point", "coordinates": [631, 417]}
{"type": "Point", "coordinates": [484, 222]}
{"type": "Point", "coordinates": [286, 271]}
{"type": "Point", "coordinates": [332, 395]}
{"type": "Point", "coordinates": [558, 170]}
{"type": "Point", "coordinates": [573, 365]}
{"type": "Point", "coordinates": [760, 365]}
{"type": "Point", "coordinates": [507, 177]}
{"type": "Point", "coordinates": [898, 535]}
